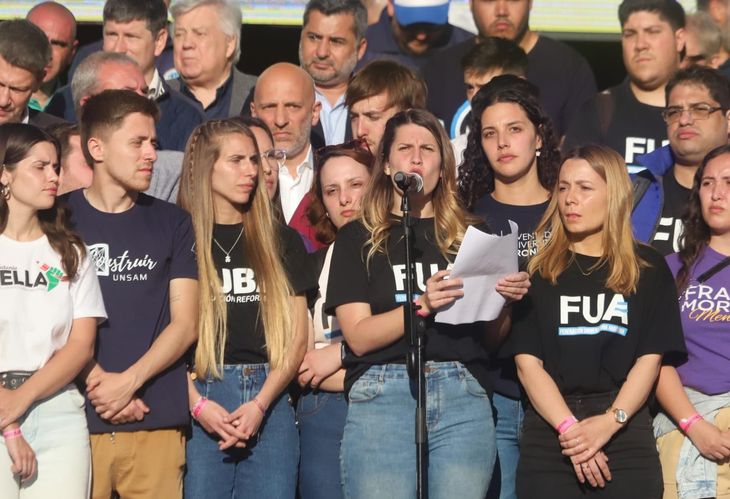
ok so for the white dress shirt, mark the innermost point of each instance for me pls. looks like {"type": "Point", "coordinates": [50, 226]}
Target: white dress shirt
{"type": "Point", "coordinates": [293, 189]}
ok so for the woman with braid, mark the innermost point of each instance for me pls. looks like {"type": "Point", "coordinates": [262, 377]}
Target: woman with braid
{"type": "Point", "coordinates": [253, 322]}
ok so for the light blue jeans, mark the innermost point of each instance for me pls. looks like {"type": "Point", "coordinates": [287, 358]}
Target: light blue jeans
{"type": "Point", "coordinates": [509, 415]}
{"type": "Point", "coordinates": [267, 467]}
{"type": "Point", "coordinates": [55, 428]}
{"type": "Point", "coordinates": [378, 455]}
{"type": "Point", "coordinates": [321, 420]}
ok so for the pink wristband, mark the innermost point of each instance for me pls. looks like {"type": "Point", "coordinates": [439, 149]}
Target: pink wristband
{"type": "Point", "coordinates": [421, 310]}
{"type": "Point", "coordinates": [685, 424]}
{"type": "Point", "coordinates": [259, 405]}
{"type": "Point", "coordinates": [565, 424]}
{"type": "Point", "coordinates": [10, 434]}
{"type": "Point", "coordinates": [198, 407]}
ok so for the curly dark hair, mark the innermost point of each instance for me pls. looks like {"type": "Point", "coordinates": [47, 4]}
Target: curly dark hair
{"type": "Point", "coordinates": [476, 175]}
{"type": "Point", "coordinates": [16, 141]}
{"type": "Point", "coordinates": [696, 233]}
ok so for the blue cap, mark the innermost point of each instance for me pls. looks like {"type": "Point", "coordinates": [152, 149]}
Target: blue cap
{"type": "Point", "coordinates": [421, 11]}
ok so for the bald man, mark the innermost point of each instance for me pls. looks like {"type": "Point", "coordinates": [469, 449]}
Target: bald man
{"type": "Point", "coordinates": [59, 25]}
{"type": "Point", "coordinates": [284, 99]}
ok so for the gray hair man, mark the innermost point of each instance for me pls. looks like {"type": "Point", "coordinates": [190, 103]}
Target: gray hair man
{"type": "Point", "coordinates": [284, 100]}
{"type": "Point", "coordinates": [114, 71]}
{"type": "Point", "coordinates": [207, 63]}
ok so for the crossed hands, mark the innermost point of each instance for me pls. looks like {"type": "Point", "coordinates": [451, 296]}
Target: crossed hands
{"type": "Point", "coordinates": [583, 443]}
{"type": "Point", "coordinates": [235, 428]}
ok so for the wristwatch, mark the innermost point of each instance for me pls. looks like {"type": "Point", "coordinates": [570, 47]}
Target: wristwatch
{"type": "Point", "coordinates": [620, 416]}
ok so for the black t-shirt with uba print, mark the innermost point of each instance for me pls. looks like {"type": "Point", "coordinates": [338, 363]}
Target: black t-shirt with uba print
{"type": "Point", "coordinates": [382, 284]}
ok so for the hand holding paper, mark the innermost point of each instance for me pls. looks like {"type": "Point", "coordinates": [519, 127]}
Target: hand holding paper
{"type": "Point", "coordinates": [482, 261]}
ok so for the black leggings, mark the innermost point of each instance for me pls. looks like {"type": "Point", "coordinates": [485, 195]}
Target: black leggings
{"type": "Point", "coordinates": [544, 473]}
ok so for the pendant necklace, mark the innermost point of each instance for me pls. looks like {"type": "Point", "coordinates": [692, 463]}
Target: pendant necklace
{"type": "Point", "coordinates": [586, 274]}
{"type": "Point", "coordinates": [228, 253]}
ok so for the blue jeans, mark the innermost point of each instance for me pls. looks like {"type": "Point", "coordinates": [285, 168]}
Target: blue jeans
{"type": "Point", "coordinates": [321, 418]}
{"type": "Point", "coordinates": [267, 467]}
{"type": "Point", "coordinates": [509, 415]}
{"type": "Point", "coordinates": [378, 455]}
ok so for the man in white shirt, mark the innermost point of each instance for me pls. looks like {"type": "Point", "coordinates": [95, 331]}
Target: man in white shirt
{"type": "Point", "coordinates": [332, 41]}
{"type": "Point", "coordinates": [284, 100]}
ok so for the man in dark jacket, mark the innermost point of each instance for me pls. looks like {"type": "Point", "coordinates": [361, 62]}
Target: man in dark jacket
{"type": "Point", "coordinates": [698, 119]}
{"type": "Point", "coordinates": [24, 55]}
{"type": "Point", "coordinates": [138, 28]}
{"type": "Point", "coordinates": [207, 64]}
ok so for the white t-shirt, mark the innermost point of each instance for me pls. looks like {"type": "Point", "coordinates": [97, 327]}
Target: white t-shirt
{"type": "Point", "coordinates": [39, 304]}
{"type": "Point", "coordinates": [326, 328]}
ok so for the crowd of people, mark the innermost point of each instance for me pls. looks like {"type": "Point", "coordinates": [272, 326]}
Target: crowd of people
{"type": "Point", "coordinates": [203, 272]}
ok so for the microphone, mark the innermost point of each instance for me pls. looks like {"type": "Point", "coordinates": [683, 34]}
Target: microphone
{"type": "Point", "coordinates": [408, 181]}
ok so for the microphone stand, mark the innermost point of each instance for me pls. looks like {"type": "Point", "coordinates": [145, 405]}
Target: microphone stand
{"type": "Point", "coordinates": [415, 327]}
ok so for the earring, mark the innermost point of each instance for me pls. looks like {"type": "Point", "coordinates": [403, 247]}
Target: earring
{"type": "Point", "coordinates": [537, 152]}
{"type": "Point", "coordinates": [5, 191]}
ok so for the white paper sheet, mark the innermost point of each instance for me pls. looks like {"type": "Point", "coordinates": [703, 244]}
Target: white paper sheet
{"type": "Point", "coordinates": [483, 259]}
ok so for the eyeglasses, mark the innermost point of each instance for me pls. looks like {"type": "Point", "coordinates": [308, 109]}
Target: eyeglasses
{"type": "Point", "coordinates": [696, 112]}
{"type": "Point", "coordinates": [275, 158]}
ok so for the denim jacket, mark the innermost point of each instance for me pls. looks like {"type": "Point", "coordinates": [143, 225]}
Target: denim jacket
{"type": "Point", "coordinates": [696, 475]}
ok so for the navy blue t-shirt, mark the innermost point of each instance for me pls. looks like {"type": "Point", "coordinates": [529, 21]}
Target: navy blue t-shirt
{"type": "Point", "coordinates": [137, 253]}
{"type": "Point", "coordinates": [502, 372]}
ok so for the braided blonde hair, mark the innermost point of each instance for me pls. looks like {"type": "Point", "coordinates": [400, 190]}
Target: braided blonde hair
{"type": "Point", "coordinates": [260, 243]}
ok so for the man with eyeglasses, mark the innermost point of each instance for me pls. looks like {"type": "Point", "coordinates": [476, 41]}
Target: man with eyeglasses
{"type": "Point", "coordinates": [698, 119]}
{"type": "Point", "coordinates": [408, 31]}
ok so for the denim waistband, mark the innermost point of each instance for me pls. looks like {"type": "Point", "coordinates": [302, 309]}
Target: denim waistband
{"type": "Point", "coordinates": [255, 371]}
{"type": "Point", "coordinates": [250, 368]}
{"type": "Point", "coordinates": [434, 370]}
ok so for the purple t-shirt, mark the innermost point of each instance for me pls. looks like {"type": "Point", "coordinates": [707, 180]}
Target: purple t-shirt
{"type": "Point", "coordinates": [137, 253]}
{"type": "Point", "coordinates": [705, 310]}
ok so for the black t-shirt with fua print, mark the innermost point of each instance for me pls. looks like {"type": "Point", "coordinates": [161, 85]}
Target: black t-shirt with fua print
{"type": "Point", "coordinates": [245, 341]}
{"type": "Point", "coordinates": [670, 226]}
{"type": "Point", "coordinates": [382, 284]}
{"type": "Point", "coordinates": [588, 336]}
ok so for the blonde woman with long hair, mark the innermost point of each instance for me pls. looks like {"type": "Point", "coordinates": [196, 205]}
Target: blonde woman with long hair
{"type": "Point", "coordinates": [253, 328]}
{"type": "Point", "coordinates": [366, 290]}
{"type": "Point", "coordinates": [589, 339]}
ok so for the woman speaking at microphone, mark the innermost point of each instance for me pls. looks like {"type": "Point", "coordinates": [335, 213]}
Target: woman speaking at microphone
{"type": "Point", "coordinates": [367, 292]}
